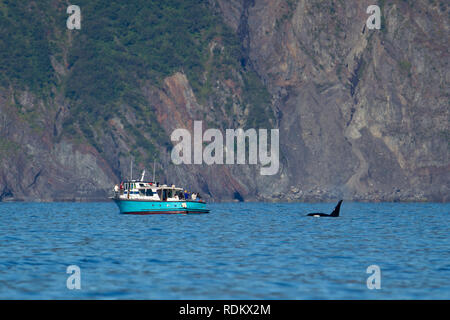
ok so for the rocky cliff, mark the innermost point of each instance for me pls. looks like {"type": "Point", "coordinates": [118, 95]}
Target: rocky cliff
{"type": "Point", "coordinates": [363, 114]}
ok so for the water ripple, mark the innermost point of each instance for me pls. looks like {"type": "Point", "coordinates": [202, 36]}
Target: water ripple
{"type": "Point", "coordinates": [239, 251]}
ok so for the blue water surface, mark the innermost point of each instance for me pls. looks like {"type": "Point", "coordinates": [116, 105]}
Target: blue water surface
{"type": "Point", "coordinates": [238, 251]}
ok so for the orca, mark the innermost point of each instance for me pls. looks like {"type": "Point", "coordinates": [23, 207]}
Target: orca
{"type": "Point", "coordinates": [335, 212]}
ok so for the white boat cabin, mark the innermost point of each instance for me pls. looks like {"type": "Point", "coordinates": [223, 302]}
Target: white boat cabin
{"type": "Point", "coordinates": [148, 191]}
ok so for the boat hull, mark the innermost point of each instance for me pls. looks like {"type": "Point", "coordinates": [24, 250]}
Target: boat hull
{"type": "Point", "coordinates": [132, 206]}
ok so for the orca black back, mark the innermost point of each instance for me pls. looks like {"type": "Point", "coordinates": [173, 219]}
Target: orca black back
{"type": "Point", "coordinates": [335, 212]}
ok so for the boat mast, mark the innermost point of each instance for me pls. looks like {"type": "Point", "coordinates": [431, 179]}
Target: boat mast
{"type": "Point", "coordinates": [153, 170]}
{"type": "Point", "coordinates": [131, 170]}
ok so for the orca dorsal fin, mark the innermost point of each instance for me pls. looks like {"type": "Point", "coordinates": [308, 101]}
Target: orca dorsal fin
{"type": "Point", "coordinates": [336, 210]}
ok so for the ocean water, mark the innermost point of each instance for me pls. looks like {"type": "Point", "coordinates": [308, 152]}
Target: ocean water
{"type": "Point", "coordinates": [238, 251]}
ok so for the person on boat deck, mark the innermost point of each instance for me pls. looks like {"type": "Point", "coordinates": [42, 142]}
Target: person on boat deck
{"type": "Point", "coordinates": [186, 194]}
{"type": "Point", "coordinates": [194, 196]}
{"type": "Point", "coordinates": [116, 188]}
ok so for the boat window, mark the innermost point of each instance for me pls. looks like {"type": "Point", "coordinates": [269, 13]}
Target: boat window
{"type": "Point", "coordinates": [148, 192]}
{"type": "Point", "coordinates": [141, 192]}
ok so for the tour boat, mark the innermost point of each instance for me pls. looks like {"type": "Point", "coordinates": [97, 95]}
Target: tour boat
{"type": "Point", "coordinates": [148, 197]}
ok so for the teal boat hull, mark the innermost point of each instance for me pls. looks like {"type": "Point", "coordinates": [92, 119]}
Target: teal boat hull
{"type": "Point", "coordinates": [131, 206]}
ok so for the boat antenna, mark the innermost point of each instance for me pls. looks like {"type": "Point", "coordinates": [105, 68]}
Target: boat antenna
{"type": "Point", "coordinates": [131, 170]}
{"type": "Point", "coordinates": [153, 170]}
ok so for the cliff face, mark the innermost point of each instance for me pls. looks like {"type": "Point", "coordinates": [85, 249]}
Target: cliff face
{"type": "Point", "coordinates": [363, 114]}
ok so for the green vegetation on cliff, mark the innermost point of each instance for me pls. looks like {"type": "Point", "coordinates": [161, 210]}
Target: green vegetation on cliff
{"type": "Point", "coordinates": [25, 50]}
{"type": "Point", "coordinates": [122, 45]}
